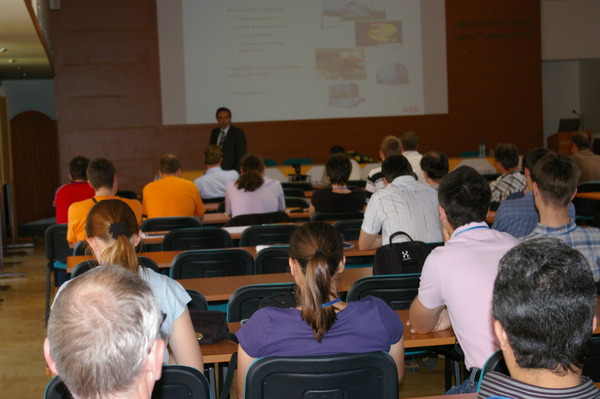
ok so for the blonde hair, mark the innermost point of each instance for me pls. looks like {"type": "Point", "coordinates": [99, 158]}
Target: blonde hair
{"type": "Point", "coordinates": [113, 222]}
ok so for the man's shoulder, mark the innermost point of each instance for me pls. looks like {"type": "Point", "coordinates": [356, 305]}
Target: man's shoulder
{"type": "Point", "coordinates": [82, 205]}
{"type": "Point", "coordinates": [235, 130]}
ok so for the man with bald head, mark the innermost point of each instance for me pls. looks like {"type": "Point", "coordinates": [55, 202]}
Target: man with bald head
{"type": "Point", "coordinates": [104, 336]}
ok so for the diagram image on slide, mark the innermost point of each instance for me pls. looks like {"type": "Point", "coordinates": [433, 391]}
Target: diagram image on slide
{"type": "Point", "coordinates": [392, 74]}
{"type": "Point", "coordinates": [340, 63]}
{"type": "Point", "coordinates": [376, 33]}
{"type": "Point", "coordinates": [344, 95]}
{"type": "Point", "coordinates": [354, 10]}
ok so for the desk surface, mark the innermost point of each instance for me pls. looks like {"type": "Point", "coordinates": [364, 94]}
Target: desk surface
{"type": "Point", "coordinates": [222, 218]}
{"type": "Point", "coordinates": [222, 351]}
{"type": "Point", "coordinates": [164, 258]}
{"type": "Point", "coordinates": [594, 195]}
{"type": "Point", "coordinates": [221, 288]}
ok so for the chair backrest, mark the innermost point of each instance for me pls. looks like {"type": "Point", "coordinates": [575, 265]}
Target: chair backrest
{"type": "Point", "coordinates": [272, 260]}
{"type": "Point", "coordinates": [86, 265]}
{"type": "Point", "coordinates": [175, 382]}
{"type": "Point", "coordinates": [300, 186]}
{"type": "Point", "coordinates": [296, 202]}
{"type": "Point", "coordinates": [196, 238]}
{"type": "Point", "coordinates": [350, 229]}
{"type": "Point", "coordinates": [591, 366]}
{"type": "Point", "coordinates": [351, 376]}
{"type": "Point", "coordinates": [269, 162]}
{"type": "Point", "coordinates": [83, 267]}
{"type": "Point", "coordinates": [587, 208]}
{"type": "Point", "coordinates": [57, 247]}
{"type": "Point", "coordinates": [149, 263]}
{"type": "Point", "coordinates": [246, 300]}
{"type": "Point", "coordinates": [589, 187]}
{"type": "Point", "coordinates": [267, 234]}
{"type": "Point", "coordinates": [198, 301]}
{"type": "Point", "coordinates": [170, 223]}
{"type": "Point", "coordinates": [337, 216]}
{"type": "Point", "coordinates": [56, 389]}
{"type": "Point", "coordinates": [298, 161]}
{"type": "Point", "coordinates": [258, 218]}
{"type": "Point", "coordinates": [293, 192]}
{"type": "Point", "coordinates": [81, 248]}
{"type": "Point", "coordinates": [494, 363]}
{"type": "Point", "coordinates": [181, 382]}
{"type": "Point", "coordinates": [397, 290]}
{"type": "Point", "coordinates": [212, 263]}
{"type": "Point", "coordinates": [213, 200]}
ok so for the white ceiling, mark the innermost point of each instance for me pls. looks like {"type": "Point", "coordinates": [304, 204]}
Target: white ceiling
{"type": "Point", "coordinates": [19, 36]}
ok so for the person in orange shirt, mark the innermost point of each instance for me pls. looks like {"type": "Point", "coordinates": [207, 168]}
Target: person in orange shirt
{"type": "Point", "coordinates": [171, 195]}
{"type": "Point", "coordinates": [101, 176]}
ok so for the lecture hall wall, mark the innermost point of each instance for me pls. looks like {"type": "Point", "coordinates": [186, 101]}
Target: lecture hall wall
{"type": "Point", "coordinates": [108, 91]}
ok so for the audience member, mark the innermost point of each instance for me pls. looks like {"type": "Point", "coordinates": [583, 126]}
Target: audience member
{"type": "Point", "coordinates": [212, 184]}
{"type": "Point", "coordinates": [113, 234]}
{"type": "Point", "coordinates": [518, 217]}
{"type": "Point", "coordinates": [77, 190]}
{"type": "Point", "coordinates": [253, 192]}
{"type": "Point", "coordinates": [321, 324]}
{"type": "Point", "coordinates": [586, 160]}
{"type": "Point", "coordinates": [458, 278]}
{"type": "Point", "coordinates": [171, 195]}
{"type": "Point", "coordinates": [231, 139]}
{"type": "Point", "coordinates": [403, 205]}
{"type": "Point", "coordinates": [410, 145]}
{"type": "Point", "coordinates": [544, 301]}
{"type": "Point", "coordinates": [435, 166]}
{"type": "Point", "coordinates": [555, 178]}
{"type": "Point", "coordinates": [339, 198]}
{"type": "Point", "coordinates": [104, 336]}
{"type": "Point", "coordinates": [510, 180]}
{"type": "Point", "coordinates": [101, 176]}
{"type": "Point", "coordinates": [390, 145]}
{"type": "Point", "coordinates": [355, 172]}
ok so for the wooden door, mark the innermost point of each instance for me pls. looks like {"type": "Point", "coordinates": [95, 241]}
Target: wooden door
{"type": "Point", "coordinates": [35, 165]}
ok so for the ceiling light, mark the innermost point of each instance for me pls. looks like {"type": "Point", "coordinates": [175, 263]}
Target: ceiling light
{"type": "Point", "coordinates": [3, 50]}
{"type": "Point", "coordinates": [12, 61]}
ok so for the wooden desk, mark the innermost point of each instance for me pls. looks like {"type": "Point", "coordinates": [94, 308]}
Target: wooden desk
{"type": "Point", "coordinates": [593, 196]}
{"type": "Point", "coordinates": [222, 351]}
{"type": "Point", "coordinates": [164, 258]}
{"type": "Point", "coordinates": [221, 288]}
{"type": "Point", "coordinates": [211, 206]}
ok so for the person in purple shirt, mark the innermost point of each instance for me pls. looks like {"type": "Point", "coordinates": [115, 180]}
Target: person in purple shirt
{"type": "Point", "coordinates": [321, 324]}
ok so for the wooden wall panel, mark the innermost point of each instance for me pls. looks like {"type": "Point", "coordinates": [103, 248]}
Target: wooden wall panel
{"type": "Point", "coordinates": [108, 93]}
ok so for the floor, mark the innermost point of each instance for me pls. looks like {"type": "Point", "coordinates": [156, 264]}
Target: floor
{"type": "Point", "coordinates": [22, 331]}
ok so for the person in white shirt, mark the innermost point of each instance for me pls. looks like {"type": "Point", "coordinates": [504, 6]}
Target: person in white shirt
{"type": "Point", "coordinates": [212, 184]}
{"type": "Point", "coordinates": [403, 205]}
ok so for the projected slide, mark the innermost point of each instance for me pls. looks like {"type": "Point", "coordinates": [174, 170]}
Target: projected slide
{"type": "Point", "coordinates": [271, 60]}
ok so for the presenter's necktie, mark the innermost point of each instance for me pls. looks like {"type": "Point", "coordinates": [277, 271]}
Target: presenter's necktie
{"type": "Point", "coordinates": [221, 138]}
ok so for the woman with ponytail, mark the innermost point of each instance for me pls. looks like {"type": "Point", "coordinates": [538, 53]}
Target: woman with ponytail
{"type": "Point", "coordinates": [113, 234]}
{"type": "Point", "coordinates": [321, 324]}
{"type": "Point", "coordinates": [253, 192]}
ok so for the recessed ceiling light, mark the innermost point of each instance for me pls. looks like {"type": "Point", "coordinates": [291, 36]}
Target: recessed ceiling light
{"type": "Point", "coordinates": [12, 61]}
{"type": "Point", "coordinates": [3, 50]}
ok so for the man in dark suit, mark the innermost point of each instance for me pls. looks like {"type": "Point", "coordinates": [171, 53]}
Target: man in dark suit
{"type": "Point", "coordinates": [230, 138]}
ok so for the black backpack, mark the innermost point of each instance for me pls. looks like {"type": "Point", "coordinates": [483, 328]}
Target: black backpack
{"type": "Point", "coordinates": [402, 257]}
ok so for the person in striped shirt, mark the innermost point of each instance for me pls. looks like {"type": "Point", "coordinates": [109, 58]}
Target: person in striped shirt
{"type": "Point", "coordinates": [544, 300]}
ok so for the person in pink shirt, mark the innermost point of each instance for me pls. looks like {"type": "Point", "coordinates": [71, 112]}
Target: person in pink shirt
{"type": "Point", "coordinates": [253, 192]}
{"type": "Point", "coordinates": [457, 280]}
